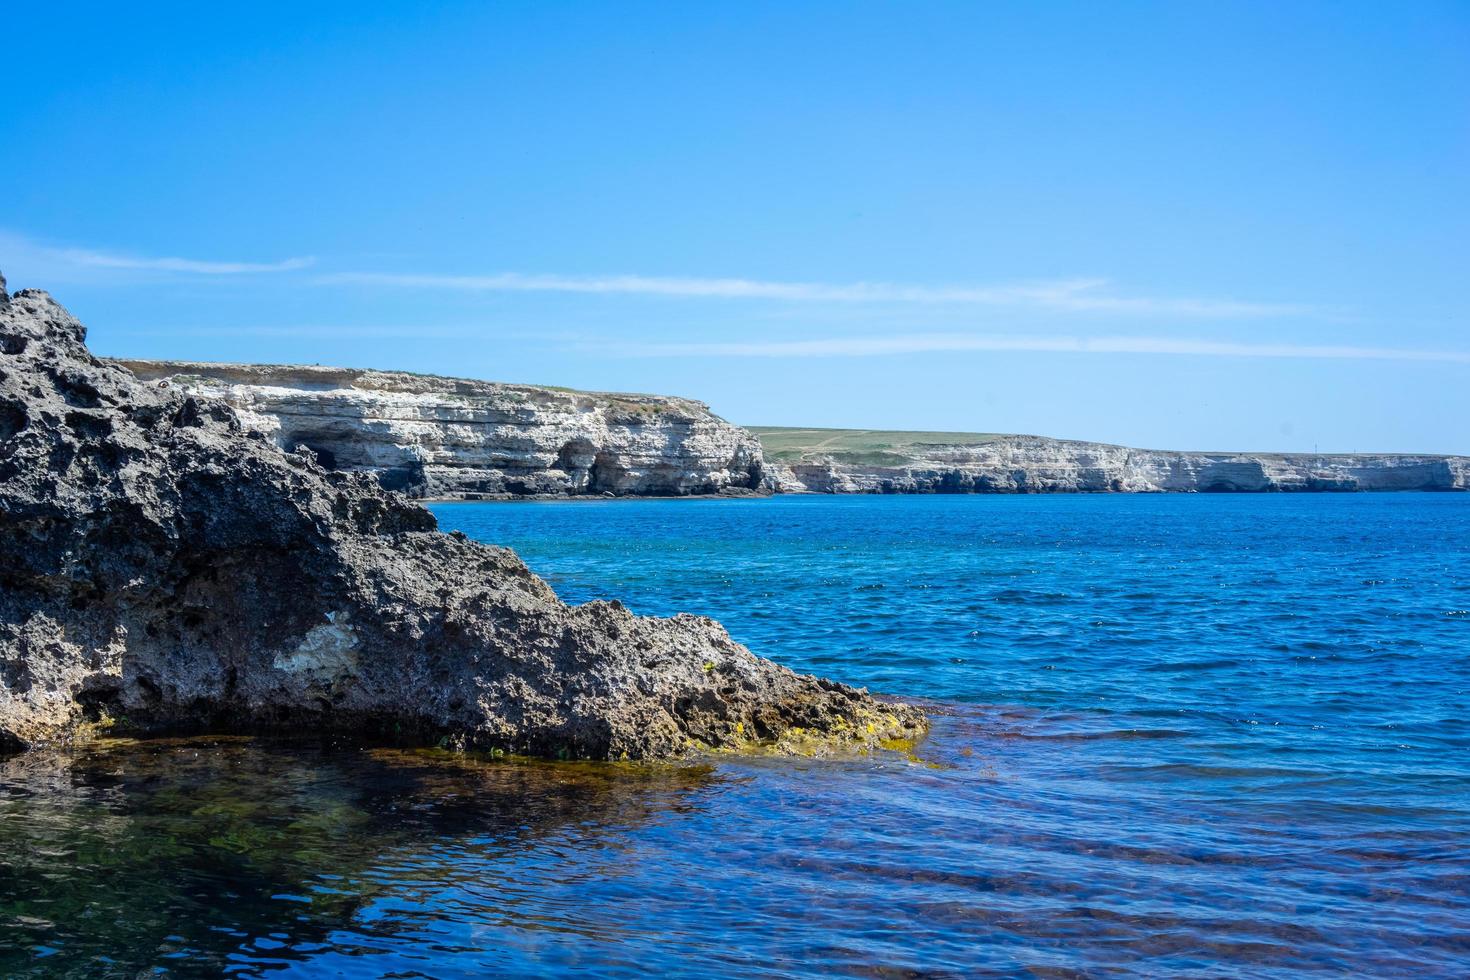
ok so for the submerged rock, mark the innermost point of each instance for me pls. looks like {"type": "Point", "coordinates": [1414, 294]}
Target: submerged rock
{"type": "Point", "coordinates": [162, 567]}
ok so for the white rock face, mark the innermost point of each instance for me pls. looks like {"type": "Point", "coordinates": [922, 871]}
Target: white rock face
{"type": "Point", "coordinates": [1034, 464]}
{"type": "Point", "coordinates": [453, 438]}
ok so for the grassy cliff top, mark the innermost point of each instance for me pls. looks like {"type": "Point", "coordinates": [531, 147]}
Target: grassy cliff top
{"type": "Point", "coordinates": [872, 446]}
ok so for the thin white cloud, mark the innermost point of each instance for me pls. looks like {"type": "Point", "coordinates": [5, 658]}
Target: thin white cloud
{"type": "Point", "coordinates": [1080, 295]}
{"type": "Point", "coordinates": [324, 331]}
{"type": "Point", "coordinates": [24, 258]}
{"type": "Point", "coordinates": [931, 343]}
{"type": "Point", "coordinates": [107, 260]}
{"type": "Point", "coordinates": [43, 262]}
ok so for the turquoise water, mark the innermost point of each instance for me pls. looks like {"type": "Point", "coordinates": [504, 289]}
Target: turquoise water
{"type": "Point", "coordinates": [1181, 735]}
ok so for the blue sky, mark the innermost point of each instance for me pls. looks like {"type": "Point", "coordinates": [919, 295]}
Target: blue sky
{"type": "Point", "coordinates": [1176, 225]}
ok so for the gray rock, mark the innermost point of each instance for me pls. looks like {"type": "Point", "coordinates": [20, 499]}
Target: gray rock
{"type": "Point", "coordinates": [162, 567]}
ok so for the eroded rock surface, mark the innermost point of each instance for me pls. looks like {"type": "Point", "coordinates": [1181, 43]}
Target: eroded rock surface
{"type": "Point", "coordinates": [164, 567]}
{"type": "Point", "coordinates": [456, 438]}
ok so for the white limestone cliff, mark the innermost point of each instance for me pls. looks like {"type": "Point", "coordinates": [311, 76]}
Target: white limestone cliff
{"type": "Point", "coordinates": [454, 438]}
{"type": "Point", "coordinates": [1034, 464]}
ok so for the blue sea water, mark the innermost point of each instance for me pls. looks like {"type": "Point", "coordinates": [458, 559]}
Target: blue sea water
{"type": "Point", "coordinates": [1224, 734]}
{"type": "Point", "coordinates": [1214, 736]}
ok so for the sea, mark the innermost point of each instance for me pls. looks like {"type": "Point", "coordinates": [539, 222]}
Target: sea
{"type": "Point", "coordinates": [1173, 735]}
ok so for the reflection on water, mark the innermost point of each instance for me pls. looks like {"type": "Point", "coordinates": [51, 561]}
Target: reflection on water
{"type": "Point", "coordinates": [214, 853]}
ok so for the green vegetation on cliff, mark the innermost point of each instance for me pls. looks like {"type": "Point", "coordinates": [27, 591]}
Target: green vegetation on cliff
{"type": "Point", "coordinates": [858, 447]}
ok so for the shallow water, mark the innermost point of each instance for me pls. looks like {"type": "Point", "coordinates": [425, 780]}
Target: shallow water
{"type": "Point", "coordinates": [1186, 735]}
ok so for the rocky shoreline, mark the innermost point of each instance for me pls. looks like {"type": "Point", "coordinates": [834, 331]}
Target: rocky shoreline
{"type": "Point", "coordinates": [164, 567]}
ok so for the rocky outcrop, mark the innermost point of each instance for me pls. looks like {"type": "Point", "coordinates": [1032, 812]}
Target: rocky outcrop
{"type": "Point", "coordinates": [455, 438]}
{"type": "Point", "coordinates": [1033, 464]}
{"type": "Point", "coordinates": [163, 566]}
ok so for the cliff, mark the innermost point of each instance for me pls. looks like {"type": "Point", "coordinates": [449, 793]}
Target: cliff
{"type": "Point", "coordinates": [864, 461]}
{"type": "Point", "coordinates": [163, 566]}
{"type": "Point", "coordinates": [454, 438]}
